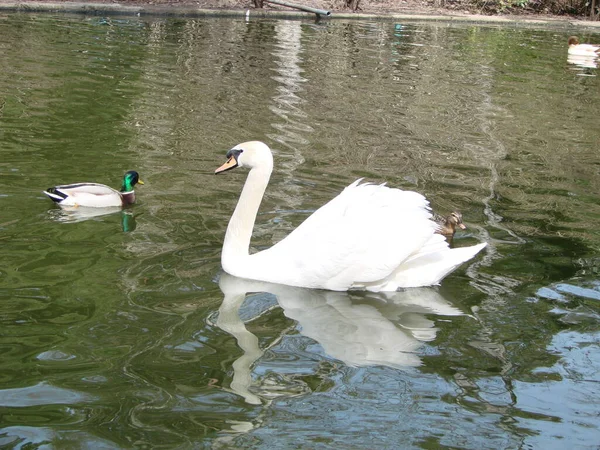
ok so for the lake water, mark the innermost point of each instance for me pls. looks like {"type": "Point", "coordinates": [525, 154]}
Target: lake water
{"type": "Point", "coordinates": [120, 330]}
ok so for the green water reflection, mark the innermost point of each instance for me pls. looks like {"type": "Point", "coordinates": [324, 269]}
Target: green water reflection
{"type": "Point", "coordinates": [120, 331]}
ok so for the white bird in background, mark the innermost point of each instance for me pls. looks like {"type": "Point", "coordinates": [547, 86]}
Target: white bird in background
{"type": "Point", "coordinates": [369, 237]}
{"type": "Point", "coordinates": [577, 49]}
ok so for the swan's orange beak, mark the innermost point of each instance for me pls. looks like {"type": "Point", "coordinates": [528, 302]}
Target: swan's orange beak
{"type": "Point", "coordinates": [230, 164]}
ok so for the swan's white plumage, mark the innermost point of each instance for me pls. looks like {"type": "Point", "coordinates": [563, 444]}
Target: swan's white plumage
{"type": "Point", "coordinates": [368, 237]}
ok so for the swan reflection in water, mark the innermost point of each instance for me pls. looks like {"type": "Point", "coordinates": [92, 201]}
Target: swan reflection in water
{"type": "Point", "coordinates": [74, 214]}
{"type": "Point", "coordinates": [357, 328]}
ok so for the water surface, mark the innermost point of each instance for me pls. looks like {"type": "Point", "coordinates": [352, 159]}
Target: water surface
{"type": "Point", "coordinates": [120, 330]}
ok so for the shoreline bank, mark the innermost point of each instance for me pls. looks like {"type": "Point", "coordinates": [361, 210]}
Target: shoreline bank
{"type": "Point", "coordinates": [193, 10]}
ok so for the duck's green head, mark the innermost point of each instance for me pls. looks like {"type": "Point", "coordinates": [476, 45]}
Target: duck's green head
{"type": "Point", "coordinates": [130, 179]}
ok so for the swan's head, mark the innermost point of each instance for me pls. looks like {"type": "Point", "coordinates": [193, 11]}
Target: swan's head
{"type": "Point", "coordinates": [252, 154]}
{"type": "Point", "coordinates": [573, 40]}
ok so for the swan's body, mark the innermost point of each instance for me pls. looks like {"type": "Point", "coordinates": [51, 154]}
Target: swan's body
{"type": "Point", "coordinates": [368, 237]}
{"type": "Point", "coordinates": [577, 49]}
{"type": "Point", "coordinates": [94, 194]}
{"type": "Point", "coordinates": [448, 224]}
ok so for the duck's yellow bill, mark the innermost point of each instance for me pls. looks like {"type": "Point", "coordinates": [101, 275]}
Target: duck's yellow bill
{"type": "Point", "coordinates": [140, 182]}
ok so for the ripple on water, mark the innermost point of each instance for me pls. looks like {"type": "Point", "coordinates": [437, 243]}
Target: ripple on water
{"type": "Point", "coordinates": [54, 355]}
{"type": "Point", "coordinates": [42, 394]}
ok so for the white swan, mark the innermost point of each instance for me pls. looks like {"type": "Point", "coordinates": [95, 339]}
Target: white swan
{"type": "Point", "coordinates": [368, 237]}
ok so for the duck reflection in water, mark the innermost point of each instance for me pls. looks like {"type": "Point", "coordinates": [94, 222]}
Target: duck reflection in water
{"type": "Point", "coordinates": [357, 328]}
{"type": "Point", "coordinates": [82, 213]}
{"type": "Point", "coordinates": [585, 62]}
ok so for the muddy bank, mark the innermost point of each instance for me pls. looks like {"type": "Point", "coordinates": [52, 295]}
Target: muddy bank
{"type": "Point", "coordinates": [380, 10]}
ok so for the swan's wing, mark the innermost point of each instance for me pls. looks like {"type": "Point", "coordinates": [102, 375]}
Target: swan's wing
{"type": "Point", "coordinates": [427, 269]}
{"type": "Point", "coordinates": [362, 235]}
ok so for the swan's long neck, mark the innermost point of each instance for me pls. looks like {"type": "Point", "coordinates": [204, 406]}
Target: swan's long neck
{"type": "Point", "coordinates": [239, 231]}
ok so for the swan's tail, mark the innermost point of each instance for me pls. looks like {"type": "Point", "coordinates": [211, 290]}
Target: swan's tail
{"type": "Point", "coordinates": [426, 269]}
{"type": "Point", "coordinates": [431, 268]}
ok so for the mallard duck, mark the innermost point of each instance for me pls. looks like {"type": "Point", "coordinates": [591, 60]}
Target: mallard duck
{"type": "Point", "coordinates": [369, 237]}
{"type": "Point", "coordinates": [448, 224]}
{"type": "Point", "coordinates": [575, 48]}
{"type": "Point", "coordinates": [94, 194]}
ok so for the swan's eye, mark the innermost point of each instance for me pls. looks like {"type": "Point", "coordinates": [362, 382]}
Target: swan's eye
{"type": "Point", "coordinates": [234, 153]}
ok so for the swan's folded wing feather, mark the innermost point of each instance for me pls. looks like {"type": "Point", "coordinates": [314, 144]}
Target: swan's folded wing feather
{"type": "Point", "coordinates": [362, 235]}
{"type": "Point", "coordinates": [430, 268]}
